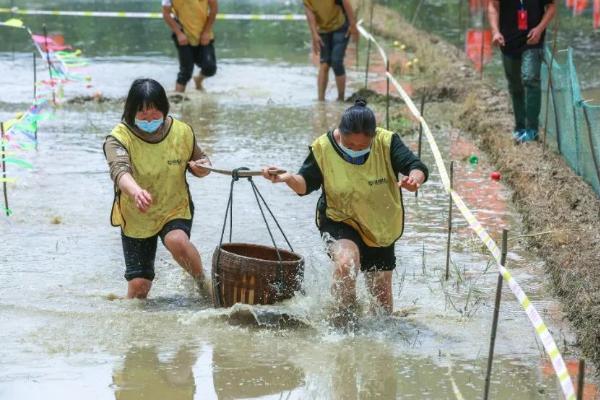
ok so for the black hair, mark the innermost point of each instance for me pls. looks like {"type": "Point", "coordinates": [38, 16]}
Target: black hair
{"type": "Point", "coordinates": [358, 119]}
{"type": "Point", "coordinates": [144, 94]}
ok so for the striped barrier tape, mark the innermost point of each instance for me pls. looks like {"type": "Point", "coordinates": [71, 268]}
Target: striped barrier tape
{"type": "Point", "coordinates": [155, 15]}
{"type": "Point", "coordinates": [534, 317]}
{"type": "Point", "coordinates": [370, 37]}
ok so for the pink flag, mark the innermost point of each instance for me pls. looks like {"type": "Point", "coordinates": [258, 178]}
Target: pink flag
{"type": "Point", "coordinates": [52, 44]}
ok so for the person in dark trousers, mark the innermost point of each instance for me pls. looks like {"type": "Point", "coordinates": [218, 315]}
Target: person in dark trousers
{"type": "Point", "coordinates": [191, 22]}
{"type": "Point", "coordinates": [360, 213]}
{"type": "Point", "coordinates": [519, 27]}
{"type": "Point", "coordinates": [331, 23]}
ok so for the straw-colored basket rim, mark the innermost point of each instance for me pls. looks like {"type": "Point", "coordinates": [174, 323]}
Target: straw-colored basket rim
{"type": "Point", "coordinates": [223, 248]}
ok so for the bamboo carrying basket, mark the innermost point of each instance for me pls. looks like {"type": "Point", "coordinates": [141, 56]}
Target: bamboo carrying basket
{"type": "Point", "coordinates": [252, 274]}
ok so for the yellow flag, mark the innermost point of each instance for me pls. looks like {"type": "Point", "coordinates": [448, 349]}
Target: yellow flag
{"type": "Point", "coordinates": [15, 22]}
{"type": "Point", "coordinates": [8, 124]}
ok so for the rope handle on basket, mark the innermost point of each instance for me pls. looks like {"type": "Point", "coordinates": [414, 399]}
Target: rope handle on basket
{"type": "Point", "coordinates": [236, 174]}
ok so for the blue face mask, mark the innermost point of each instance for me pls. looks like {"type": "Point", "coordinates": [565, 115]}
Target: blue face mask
{"type": "Point", "coordinates": [149, 126]}
{"type": "Point", "coordinates": [355, 154]}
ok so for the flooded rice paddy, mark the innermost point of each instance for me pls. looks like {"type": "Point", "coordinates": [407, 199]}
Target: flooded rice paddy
{"type": "Point", "coordinates": [65, 334]}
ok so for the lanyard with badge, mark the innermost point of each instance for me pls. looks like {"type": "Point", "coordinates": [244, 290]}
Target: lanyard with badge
{"type": "Point", "coordinates": [522, 17]}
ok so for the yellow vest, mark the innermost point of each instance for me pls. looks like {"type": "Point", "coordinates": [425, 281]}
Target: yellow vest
{"type": "Point", "coordinates": [192, 14]}
{"type": "Point", "coordinates": [366, 196]}
{"type": "Point", "coordinates": [330, 16]}
{"type": "Point", "coordinates": [160, 169]}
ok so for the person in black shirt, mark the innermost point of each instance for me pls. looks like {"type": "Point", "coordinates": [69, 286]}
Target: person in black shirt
{"type": "Point", "coordinates": [360, 213]}
{"type": "Point", "coordinates": [518, 27]}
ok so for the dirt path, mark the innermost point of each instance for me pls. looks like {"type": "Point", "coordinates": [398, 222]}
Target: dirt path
{"type": "Point", "coordinates": [561, 212]}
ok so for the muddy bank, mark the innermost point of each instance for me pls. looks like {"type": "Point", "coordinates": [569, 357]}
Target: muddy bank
{"type": "Point", "coordinates": [561, 212]}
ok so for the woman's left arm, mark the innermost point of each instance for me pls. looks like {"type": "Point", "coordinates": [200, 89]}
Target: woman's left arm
{"type": "Point", "coordinates": [413, 181]}
{"type": "Point", "coordinates": [198, 159]}
{"type": "Point", "coordinates": [352, 30]}
{"type": "Point", "coordinates": [408, 164]}
{"type": "Point", "coordinates": [213, 9]}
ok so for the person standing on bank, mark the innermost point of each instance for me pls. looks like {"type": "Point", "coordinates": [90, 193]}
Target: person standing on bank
{"type": "Point", "coordinates": [148, 153]}
{"type": "Point", "coordinates": [192, 27]}
{"type": "Point", "coordinates": [519, 28]}
{"type": "Point", "coordinates": [357, 167]}
{"type": "Point", "coordinates": [331, 23]}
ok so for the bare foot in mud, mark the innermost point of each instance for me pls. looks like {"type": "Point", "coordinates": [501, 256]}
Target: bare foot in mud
{"type": "Point", "coordinates": [113, 297]}
{"type": "Point", "coordinates": [198, 81]}
{"type": "Point", "coordinates": [177, 98]}
{"type": "Point", "coordinates": [345, 318]}
{"type": "Point", "coordinates": [205, 289]}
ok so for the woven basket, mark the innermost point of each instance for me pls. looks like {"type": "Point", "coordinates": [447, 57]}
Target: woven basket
{"type": "Point", "coordinates": [251, 274]}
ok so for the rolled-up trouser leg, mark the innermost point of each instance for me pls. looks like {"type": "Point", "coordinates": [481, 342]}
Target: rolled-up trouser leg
{"type": "Point", "coordinates": [186, 63]}
{"type": "Point", "coordinates": [206, 60]}
{"type": "Point", "coordinates": [338, 51]}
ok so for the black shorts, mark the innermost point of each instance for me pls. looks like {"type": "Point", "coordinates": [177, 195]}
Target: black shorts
{"type": "Point", "coordinates": [140, 253]}
{"type": "Point", "coordinates": [371, 258]}
{"type": "Point", "coordinates": [333, 49]}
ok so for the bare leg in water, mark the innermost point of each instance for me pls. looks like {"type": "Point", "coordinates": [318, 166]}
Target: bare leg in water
{"type": "Point", "coordinates": [379, 284]}
{"type": "Point", "coordinates": [346, 258]}
{"type": "Point", "coordinates": [198, 81]}
{"type": "Point", "coordinates": [322, 80]}
{"type": "Point", "coordinates": [340, 82]}
{"type": "Point", "coordinates": [186, 255]}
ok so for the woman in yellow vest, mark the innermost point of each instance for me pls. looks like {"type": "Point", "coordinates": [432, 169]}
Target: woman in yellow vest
{"type": "Point", "coordinates": [148, 153]}
{"type": "Point", "coordinates": [360, 212]}
{"type": "Point", "coordinates": [191, 22]}
{"type": "Point", "coordinates": [331, 23]}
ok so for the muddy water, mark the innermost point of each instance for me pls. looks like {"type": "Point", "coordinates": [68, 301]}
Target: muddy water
{"type": "Point", "coordinates": [63, 336]}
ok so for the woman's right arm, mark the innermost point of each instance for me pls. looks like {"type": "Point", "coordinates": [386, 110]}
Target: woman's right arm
{"type": "Point", "coordinates": [172, 24]}
{"type": "Point", "coordinates": [308, 179]}
{"type": "Point", "coordinates": [119, 164]}
{"type": "Point", "coordinates": [117, 157]}
{"type": "Point", "coordinates": [317, 42]}
{"type": "Point", "coordinates": [295, 182]}
{"type": "Point", "coordinates": [128, 185]}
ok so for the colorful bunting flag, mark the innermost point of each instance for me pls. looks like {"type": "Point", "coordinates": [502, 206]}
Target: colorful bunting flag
{"type": "Point", "coordinates": [13, 22]}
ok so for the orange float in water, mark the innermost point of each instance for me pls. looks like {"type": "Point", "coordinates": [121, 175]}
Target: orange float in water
{"type": "Point", "coordinates": [479, 41]}
{"type": "Point", "coordinates": [596, 14]}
